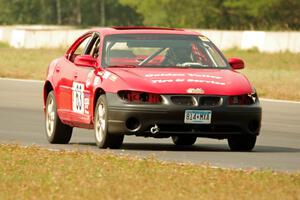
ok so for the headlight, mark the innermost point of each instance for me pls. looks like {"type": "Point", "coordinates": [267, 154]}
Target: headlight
{"type": "Point", "coordinates": [245, 99]}
{"type": "Point", "coordinates": [139, 97]}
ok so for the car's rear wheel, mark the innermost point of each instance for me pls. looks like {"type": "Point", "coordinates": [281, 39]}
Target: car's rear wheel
{"type": "Point", "coordinates": [242, 143]}
{"type": "Point", "coordinates": [56, 131]}
{"type": "Point", "coordinates": [184, 140]}
{"type": "Point", "coordinates": [103, 138]}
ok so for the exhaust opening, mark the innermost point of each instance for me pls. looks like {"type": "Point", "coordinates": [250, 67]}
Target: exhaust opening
{"type": "Point", "coordinates": [133, 124]}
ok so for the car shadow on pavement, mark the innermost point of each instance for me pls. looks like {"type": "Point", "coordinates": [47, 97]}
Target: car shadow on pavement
{"type": "Point", "coordinates": [197, 147]}
{"type": "Point", "coordinates": [275, 149]}
{"type": "Point", "coordinates": [171, 147]}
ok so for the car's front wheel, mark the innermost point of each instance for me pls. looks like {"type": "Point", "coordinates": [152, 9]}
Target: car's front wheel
{"type": "Point", "coordinates": [103, 138]}
{"type": "Point", "coordinates": [242, 143]}
{"type": "Point", "coordinates": [184, 140]}
{"type": "Point", "coordinates": [56, 131]}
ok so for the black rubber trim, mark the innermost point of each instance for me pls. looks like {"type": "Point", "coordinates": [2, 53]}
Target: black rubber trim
{"type": "Point", "coordinates": [168, 114]}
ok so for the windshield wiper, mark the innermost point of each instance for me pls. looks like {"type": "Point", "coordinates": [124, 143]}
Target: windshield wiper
{"type": "Point", "coordinates": [122, 66]}
{"type": "Point", "coordinates": [192, 65]}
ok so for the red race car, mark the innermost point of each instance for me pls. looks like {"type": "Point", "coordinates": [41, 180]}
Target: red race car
{"type": "Point", "coordinates": [151, 82]}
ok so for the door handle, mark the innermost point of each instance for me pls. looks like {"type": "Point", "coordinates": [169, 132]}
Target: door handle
{"type": "Point", "coordinates": [75, 75]}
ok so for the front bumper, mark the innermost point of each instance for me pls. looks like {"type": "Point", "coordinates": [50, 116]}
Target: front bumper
{"type": "Point", "coordinates": [137, 119]}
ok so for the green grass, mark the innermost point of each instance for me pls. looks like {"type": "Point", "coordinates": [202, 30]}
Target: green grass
{"type": "Point", "coordinates": [35, 173]}
{"type": "Point", "coordinates": [26, 63]}
{"type": "Point", "coordinates": [3, 44]}
{"type": "Point", "coordinates": [275, 75]}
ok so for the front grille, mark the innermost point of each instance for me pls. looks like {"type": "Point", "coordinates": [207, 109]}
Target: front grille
{"type": "Point", "coordinates": [210, 101]}
{"type": "Point", "coordinates": [183, 100]}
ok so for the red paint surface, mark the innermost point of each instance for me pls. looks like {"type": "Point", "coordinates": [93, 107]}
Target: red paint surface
{"type": "Point", "coordinates": [62, 73]}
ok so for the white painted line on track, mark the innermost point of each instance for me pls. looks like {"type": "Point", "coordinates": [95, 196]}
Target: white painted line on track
{"type": "Point", "coordinates": [22, 80]}
{"type": "Point", "coordinates": [279, 100]}
{"type": "Point", "coordinates": [262, 99]}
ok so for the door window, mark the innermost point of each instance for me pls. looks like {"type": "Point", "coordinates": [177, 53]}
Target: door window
{"type": "Point", "coordinates": [89, 46]}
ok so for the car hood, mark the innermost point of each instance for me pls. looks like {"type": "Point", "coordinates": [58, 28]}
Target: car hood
{"type": "Point", "coordinates": [183, 80]}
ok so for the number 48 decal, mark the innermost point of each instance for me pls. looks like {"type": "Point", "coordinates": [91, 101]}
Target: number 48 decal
{"type": "Point", "coordinates": [77, 97]}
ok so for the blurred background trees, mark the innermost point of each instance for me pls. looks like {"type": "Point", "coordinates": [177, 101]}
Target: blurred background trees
{"type": "Point", "coordinates": [212, 14]}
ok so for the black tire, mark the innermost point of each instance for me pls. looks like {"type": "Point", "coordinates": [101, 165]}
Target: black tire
{"type": "Point", "coordinates": [103, 138]}
{"type": "Point", "coordinates": [184, 140]}
{"type": "Point", "coordinates": [56, 131]}
{"type": "Point", "coordinates": [242, 143]}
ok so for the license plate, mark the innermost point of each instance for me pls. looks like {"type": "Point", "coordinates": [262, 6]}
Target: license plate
{"type": "Point", "coordinates": [197, 117]}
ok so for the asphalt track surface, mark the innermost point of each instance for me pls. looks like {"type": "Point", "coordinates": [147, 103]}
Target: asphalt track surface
{"type": "Point", "coordinates": [277, 148]}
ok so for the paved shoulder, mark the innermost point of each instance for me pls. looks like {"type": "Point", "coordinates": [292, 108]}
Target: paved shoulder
{"type": "Point", "coordinates": [278, 146]}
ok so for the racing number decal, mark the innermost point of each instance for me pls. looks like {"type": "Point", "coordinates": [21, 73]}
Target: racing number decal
{"type": "Point", "coordinates": [77, 97]}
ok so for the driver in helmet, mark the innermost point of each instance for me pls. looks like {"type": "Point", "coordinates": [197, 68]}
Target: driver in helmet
{"type": "Point", "coordinates": [175, 56]}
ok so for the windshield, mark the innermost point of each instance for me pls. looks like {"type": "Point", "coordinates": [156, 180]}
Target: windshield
{"type": "Point", "coordinates": [158, 50]}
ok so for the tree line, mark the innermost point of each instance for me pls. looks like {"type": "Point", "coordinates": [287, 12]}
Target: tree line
{"type": "Point", "coordinates": [212, 14]}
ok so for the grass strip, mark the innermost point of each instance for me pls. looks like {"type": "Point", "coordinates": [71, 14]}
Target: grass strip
{"type": "Point", "coordinates": [36, 173]}
{"type": "Point", "coordinates": [274, 75]}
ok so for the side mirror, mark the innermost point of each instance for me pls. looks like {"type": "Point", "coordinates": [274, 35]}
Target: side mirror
{"type": "Point", "coordinates": [86, 61]}
{"type": "Point", "coordinates": [236, 63]}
